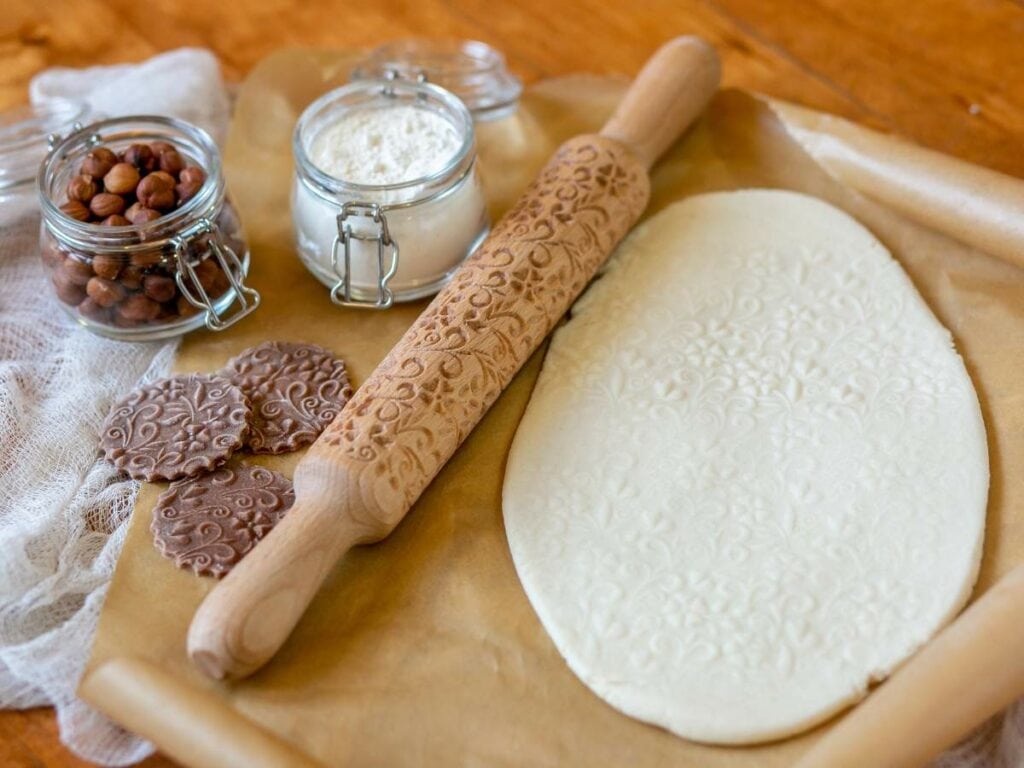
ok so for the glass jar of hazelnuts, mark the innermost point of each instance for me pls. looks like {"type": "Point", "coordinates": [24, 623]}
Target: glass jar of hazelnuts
{"type": "Point", "coordinates": [138, 235]}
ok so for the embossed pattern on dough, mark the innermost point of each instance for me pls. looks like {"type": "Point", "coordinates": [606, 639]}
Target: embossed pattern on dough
{"type": "Point", "coordinates": [211, 523]}
{"type": "Point", "coordinates": [753, 473]}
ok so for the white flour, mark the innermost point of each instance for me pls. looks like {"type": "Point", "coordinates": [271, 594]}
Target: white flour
{"type": "Point", "coordinates": [386, 146]}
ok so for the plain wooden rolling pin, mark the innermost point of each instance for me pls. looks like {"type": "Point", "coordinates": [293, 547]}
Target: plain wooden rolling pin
{"type": "Point", "coordinates": [971, 670]}
{"type": "Point", "coordinates": [364, 473]}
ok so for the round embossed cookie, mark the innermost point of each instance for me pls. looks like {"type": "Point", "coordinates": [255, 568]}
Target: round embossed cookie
{"type": "Point", "coordinates": [296, 390]}
{"type": "Point", "coordinates": [176, 427]}
{"type": "Point", "coordinates": [210, 523]}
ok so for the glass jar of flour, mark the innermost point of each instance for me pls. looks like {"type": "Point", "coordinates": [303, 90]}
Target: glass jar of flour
{"type": "Point", "coordinates": [387, 199]}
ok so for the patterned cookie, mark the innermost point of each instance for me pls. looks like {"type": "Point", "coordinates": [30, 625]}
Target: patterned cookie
{"type": "Point", "coordinates": [295, 390]}
{"type": "Point", "coordinates": [211, 523]}
{"type": "Point", "coordinates": [176, 427]}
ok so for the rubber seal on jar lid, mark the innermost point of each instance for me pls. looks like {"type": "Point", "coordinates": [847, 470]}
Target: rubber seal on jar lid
{"type": "Point", "coordinates": [473, 71]}
{"type": "Point", "coordinates": [26, 132]}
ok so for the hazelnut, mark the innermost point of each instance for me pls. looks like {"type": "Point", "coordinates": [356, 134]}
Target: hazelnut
{"type": "Point", "coordinates": [107, 265]}
{"type": "Point", "coordinates": [193, 174]}
{"type": "Point", "coordinates": [76, 269]}
{"type": "Point", "coordinates": [140, 156]}
{"type": "Point", "coordinates": [138, 308]}
{"type": "Point", "coordinates": [105, 292]}
{"type": "Point", "coordinates": [166, 178]}
{"type": "Point", "coordinates": [207, 272]}
{"type": "Point", "coordinates": [161, 146]}
{"type": "Point", "coordinates": [185, 307]}
{"type": "Point", "coordinates": [146, 259]}
{"type": "Point", "coordinates": [170, 161]}
{"type": "Point", "coordinates": [185, 192]}
{"type": "Point", "coordinates": [82, 188]}
{"type": "Point", "coordinates": [131, 278]}
{"type": "Point", "coordinates": [115, 221]}
{"type": "Point", "coordinates": [76, 210]}
{"type": "Point", "coordinates": [159, 288]}
{"type": "Point", "coordinates": [90, 309]}
{"type": "Point", "coordinates": [121, 179]}
{"type": "Point", "coordinates": [155, 192]}
{"type": "Point", "coordinates": [67, 291]}
{"type": "Point", "coordinates": [189, 183]}
{"type": "Point", "coordinates": [107, 204]}
{"type": "Point", "coordinates": [98, 162]}
{"type": "Point", "coordinates": [137, 213]}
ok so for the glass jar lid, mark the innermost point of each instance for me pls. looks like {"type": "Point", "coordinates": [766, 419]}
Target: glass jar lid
{"type": "Point", "coordinates": [473, 71]}
{"type": "Point", "coordinates": [26, 133]}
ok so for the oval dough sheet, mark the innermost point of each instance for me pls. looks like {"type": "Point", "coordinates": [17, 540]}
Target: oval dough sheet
{"type": "Point", "coordinates": [753, 474]}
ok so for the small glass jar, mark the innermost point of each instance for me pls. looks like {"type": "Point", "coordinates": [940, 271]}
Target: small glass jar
{"type": "Point", "coordinates": [155, 280]}
{"type": "Point", "coordinates": [473, 71]}
{"type": "Point", "coordinates": [373, 245]}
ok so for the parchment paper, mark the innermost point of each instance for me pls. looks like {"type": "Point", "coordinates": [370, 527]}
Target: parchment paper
{"type": "Point", "coordinates": [423, 650]}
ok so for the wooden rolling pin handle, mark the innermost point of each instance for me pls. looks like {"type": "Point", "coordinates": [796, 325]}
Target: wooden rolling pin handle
{"type": "Point", "coordinates": [364, 473]}
{"type": "Point", "coordinates": [247, 619]}
{"type": "Point", "coordinates": [670, 91]}
{"type": "Point", "coordinates": [973, 669]}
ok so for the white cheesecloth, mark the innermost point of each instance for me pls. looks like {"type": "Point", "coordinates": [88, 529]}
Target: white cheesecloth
{"type": "Point", "coordinates": [64, 512]}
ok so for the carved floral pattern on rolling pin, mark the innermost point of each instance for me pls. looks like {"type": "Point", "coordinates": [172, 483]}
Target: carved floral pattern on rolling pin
{"type": "Point", "coordinates": [436, 384]}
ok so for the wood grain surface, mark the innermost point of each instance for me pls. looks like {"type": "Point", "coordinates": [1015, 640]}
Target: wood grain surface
{"type": "Point", "coordinates": [948, 74]}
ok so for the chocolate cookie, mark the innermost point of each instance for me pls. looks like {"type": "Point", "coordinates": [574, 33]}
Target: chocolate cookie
{"type": "Point", "coordinates": [211, 523]}
{"type": "Point", "coordinates": [295, 391]}
{"type": "Point", "coordinates": [176, 427]}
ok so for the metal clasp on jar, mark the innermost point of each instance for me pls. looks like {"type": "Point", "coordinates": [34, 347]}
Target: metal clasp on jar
{"type": "Point", "coordinates": [393, 73]}
{"type": "Point", "coordinates": [192, 288]}
{"type": "Point", "coordinates": [341, 292]}
{"type": "Point", "coordinates": [53, 139]}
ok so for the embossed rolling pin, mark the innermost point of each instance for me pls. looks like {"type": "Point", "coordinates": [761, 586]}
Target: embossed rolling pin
{"type": "Point", "coordinates": [364, 473]}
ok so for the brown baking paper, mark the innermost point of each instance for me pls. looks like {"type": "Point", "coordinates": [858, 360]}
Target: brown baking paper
{"type": "Point", "coordinates": [423, 649]}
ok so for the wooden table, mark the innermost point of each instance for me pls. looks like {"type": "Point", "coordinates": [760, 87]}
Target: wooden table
{"type": "Point", "coordinates": [947, 74]}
